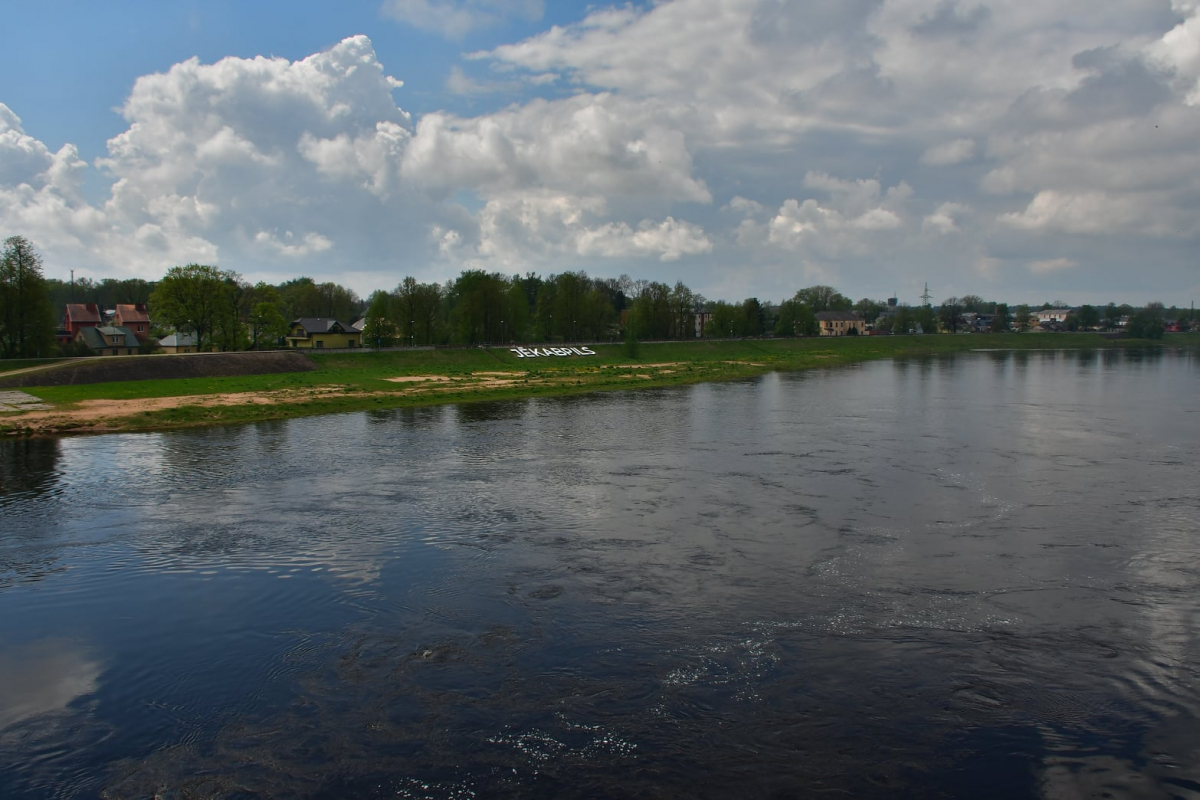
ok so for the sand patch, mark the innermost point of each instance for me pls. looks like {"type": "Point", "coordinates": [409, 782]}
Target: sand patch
{"type": "Point", "coordinates": [647, 366]}
{"type": "Point", "coordinates": [418, 378]}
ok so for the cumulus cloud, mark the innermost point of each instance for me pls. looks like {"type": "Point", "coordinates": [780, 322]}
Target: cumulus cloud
{"type": "Point", "coordinates": [588, 144]}
{"type": "Point", "coordinates": [293, 246]}
{"type": "Point", "coordinates": [854, 209]}
{"type": "Point", "coordinates": [941, 221]}
{"type": "Point", "coordinates": [865, 140]}
{"type": "Point", "coordinates": [669, 240]}
{"type": "Point", "coordinates": [1179, 48]}
{"type": "Point", "coordinates": [553, 230]}
{"type": "Point", "coordinates": [1092, 213]}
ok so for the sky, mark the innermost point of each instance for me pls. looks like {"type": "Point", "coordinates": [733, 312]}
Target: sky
{"type": "Point", "coordinates": [1024, 152]}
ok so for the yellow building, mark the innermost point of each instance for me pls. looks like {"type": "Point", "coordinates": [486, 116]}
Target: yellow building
{"type": "Point", "coordinates": [320, 333]}
{"type": "Point", "coordinates": [840, 323]}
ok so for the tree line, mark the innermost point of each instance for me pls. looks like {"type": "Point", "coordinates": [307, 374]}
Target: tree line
{"type": "Point", "coordinates": [227, 313]}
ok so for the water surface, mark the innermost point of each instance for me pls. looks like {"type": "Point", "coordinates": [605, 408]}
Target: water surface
{"type": "Point", "coordinates": [966, 576]}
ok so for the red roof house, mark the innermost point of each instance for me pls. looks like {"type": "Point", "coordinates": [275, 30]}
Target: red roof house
{"type": "Point", "coordinates": [80, 316]}
{"type": "Point", "coordinates": [134, 317]}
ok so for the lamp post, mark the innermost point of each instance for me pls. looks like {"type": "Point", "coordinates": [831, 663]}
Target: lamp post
{"type": "Point", "coordinates": [502, 341]}
{"type": "Point", "coordinates": [412, 333]}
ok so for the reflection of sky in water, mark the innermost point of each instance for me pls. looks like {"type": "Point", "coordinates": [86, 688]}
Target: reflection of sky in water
{"type": "Point", "coordinates": [992, 554]}
{"type": "Point", "coordinates": [43, 678]}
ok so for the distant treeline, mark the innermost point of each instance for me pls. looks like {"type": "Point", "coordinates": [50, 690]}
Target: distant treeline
{"type": "Point", "coordinates": [229, 313]}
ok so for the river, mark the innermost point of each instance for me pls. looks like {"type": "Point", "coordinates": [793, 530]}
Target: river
{"type": "Point", "coordinates": [970, 576]}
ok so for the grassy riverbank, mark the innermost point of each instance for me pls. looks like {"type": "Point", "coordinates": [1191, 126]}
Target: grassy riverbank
{"type": "Point", "coordinates": [391, 379]}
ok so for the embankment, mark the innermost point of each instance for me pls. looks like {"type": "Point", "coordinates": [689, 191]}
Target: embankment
{"type": "Point", "coordinates": [147, 368]}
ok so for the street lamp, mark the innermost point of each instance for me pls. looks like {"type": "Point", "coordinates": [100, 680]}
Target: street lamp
{"type": "Point", "coordinates": [412, 333]}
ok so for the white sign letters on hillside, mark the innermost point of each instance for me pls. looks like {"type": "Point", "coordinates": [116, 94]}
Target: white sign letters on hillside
{"type": "Point", "coordinates": [534, 352]}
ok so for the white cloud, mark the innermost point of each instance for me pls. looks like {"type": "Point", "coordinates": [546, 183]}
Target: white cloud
{"type": "Point", "coordinates": [293, 246]}
{"type": "Point", "coordinates": [669, 240]}
{"type": "Point", "coordinates": [1052, 265]}
{"type": "Point", "coordinates": [547, 230]}
{"type": "Point", "coordinates": [1093, 213]}
{"type": "Point", "coordinates": [716, 131]}
{"type": "Point", "coordinates": [942, 220]}
{"type": "Point", "coordinates": [1179, 48]}
{"type": "Point", "coordinates": [855, 210]}
{"type": "Point", "coordinates": [949, 153]}
{"type": "Point", "coordinates": [456, 18]}
{"type": "Point", "coordinates": [586, 144]}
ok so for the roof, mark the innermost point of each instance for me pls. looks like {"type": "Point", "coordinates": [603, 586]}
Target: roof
{"type": "Point", "coordinates": [100, 337]}
{"type": "Point", "coordinates": [130, 312]}
{"type": "Point", "coordinates": [83, 312]}
{"type": "Point", "coordinates": [838, 316]}
{"type": "Point", "coordinates": [178, 340]}
{"type": "Point", "coordinates": [323, 325]}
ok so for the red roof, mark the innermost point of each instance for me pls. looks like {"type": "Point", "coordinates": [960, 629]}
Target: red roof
{"type": "Point", "coordinates": [83, 312]}
{"type": "Point", "coordinates": [127, 313]}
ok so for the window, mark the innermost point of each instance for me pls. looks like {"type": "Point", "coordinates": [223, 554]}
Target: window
{"type": "Point", "coordinates": [320, 343]}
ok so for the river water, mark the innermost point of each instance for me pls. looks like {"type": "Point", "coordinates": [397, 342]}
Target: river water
{"type": "Point", "coordinates": [973, 576]}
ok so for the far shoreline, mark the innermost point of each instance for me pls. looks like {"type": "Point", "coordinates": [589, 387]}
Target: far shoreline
{"type": "Point", "coordinates": [342, 382]}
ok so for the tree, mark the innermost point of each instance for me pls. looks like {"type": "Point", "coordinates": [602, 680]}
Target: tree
{"type": "Point", "coordinates": [823, 298]}
{"type": "Point", "coordinates": [796, 319]}
{"type": "Point", "coordinates": [379, 330]}
{"type": "Point", "coordinates": [1146, 324]}
{"type": "Point", "coordinates": [1088, 317]}
{"type": "Point", "coordinates": [267, 325]}
{"type": "Point", "coordinates": [195, 297]}
{"type": "Point", "coordinates": [26, 317]}
{"type": "Point", "coordinates": [1002, 319]}
{"type": "Point", "coordinates": [926, 318]}
{"type": "Point", "coordinates": [949, 313]}
{"type": "Point", "coordinates": [869, 309]}
{"type": "Point", "coordinates": [1022, 318]}
{"type": "Point", "coordinates": [683, 311]}
{"type": "Point", "coordinates": [752, 316]}
{"type": "Point", "coordinates": [974, 304]}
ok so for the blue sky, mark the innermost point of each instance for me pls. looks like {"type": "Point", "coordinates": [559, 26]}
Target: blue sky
{"type": "Point", "coordinates": [1023, 152]}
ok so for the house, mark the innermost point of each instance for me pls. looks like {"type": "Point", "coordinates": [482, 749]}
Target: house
{"type": "Point", "coordinates": [134, 317]}
{"type": "Point", "coordinates": [1058, 315]}
{"type": "Point", "coordinates": [109, 340]}
{"type": "Point", "coordinates": [840, 323]}
{"type": "Point", "coordinates": [80, 316]}
{"type": "Point", "coordinates": [319, 333]}
{"type": "Point", "coordinates": [178, 343]}
{"type": "Point", "coordinates": [982, 323]}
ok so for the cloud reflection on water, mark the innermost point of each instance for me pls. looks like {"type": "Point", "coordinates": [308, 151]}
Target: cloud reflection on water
{"type": "Point", "coordinates": [44, 677]}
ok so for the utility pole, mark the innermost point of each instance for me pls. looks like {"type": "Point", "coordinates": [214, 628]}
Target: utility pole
{"type": "Point", "coordinates": [926, 296]}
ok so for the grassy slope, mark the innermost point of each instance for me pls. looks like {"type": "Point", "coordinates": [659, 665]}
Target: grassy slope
{"type": "Point", "coordinates": [14, 364]}
{"type": "Point", "coordinates": [361, 382]}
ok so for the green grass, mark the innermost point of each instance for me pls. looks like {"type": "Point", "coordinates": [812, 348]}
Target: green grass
{"type": "Point", "coordinates": [13, 364]}
{"type": "Point", "coordinates": [360, 378]}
